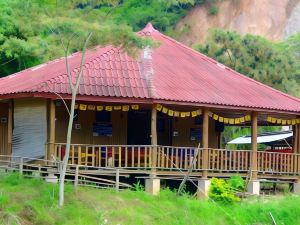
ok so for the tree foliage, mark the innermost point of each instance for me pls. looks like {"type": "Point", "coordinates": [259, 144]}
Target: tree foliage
{"type": "Point", "coordinates": [30, 31]}
{"type": "Point", "coordinates": [271, 63]}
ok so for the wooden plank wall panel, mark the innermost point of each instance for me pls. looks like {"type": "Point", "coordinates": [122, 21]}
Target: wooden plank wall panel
{"type": "Point", "coordinates": [183, 126]}
{"type": "Point", "coordinates": [86, 120]}
{"type": "Point", "coordinates": [3, 130]}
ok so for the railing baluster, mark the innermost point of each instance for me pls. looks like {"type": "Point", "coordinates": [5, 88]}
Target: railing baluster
{"type": "Point", "coordinates": [150, 156]}
{"type": "Point", "coordinates": [120, 156]}
{"type": "Point", "coordinates": [167, 158]}
{"type": "Point", "coordinates": [93, 155]}
{"type": "Point", "coordinates": [59, 153]}
{"type": "Point", "coordinates": [79, 155]}
{"type": "Point", "coordinates": [139, 156]}
{"type": "Point", "coordinates": [145, 157]}
{"type": "Point", "coordinates": [126, 156]}
{"type": "Point", "coordinates": [100, 155]}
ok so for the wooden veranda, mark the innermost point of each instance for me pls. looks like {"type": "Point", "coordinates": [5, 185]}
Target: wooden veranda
{"type": "Point", "coordinates": [172, 161]}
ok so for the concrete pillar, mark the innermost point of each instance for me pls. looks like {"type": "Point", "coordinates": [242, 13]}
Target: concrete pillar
{"type": "Point", "coordinates": [296, 188]}
{"type": "Point", "coordinates": [203, 188]}
{"type": "Point", "coordinates": [152, 186]}
{"type": "Point", "coordinates": [253, 187]}
{"type": "Point", "coordinates": [51, 177]}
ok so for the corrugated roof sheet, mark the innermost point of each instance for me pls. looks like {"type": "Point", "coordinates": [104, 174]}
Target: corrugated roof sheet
{"type": "Point", "coordinates": [171, 71]}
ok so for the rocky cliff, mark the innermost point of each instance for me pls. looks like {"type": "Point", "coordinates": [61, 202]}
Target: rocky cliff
{"type": "Point", "coordinates": [273, 19]}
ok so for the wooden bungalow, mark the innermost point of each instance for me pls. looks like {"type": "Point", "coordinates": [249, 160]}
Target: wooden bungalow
{"type": "Point", "coordinates": [160, 113]}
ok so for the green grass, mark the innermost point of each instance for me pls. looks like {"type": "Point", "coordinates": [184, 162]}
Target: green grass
{"type": "Point", "coordinates": [29, 201]}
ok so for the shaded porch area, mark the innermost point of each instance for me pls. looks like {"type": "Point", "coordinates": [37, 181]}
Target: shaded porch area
{"type": "Point", "coordinates": [153, 139]}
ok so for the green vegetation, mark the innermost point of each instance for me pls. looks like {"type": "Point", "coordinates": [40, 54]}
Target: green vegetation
{"type": "Point", "coordinates": [30, 201]}
{"type": "Point", "coordinates": [224, 190]}
{"type": "Point", "coordinates": [274, 64]}
{"type": "Point", "coordinates": [28, 30]}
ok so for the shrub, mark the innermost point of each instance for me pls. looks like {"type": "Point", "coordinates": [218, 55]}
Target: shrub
{"type": "Point", "coordinates": [221, 191]}
{"type": "Point", "coordinates": [237, 183]}
{"type": "Point", "coordinates": [213, 10]}
{"type": "Point", "coordinates": [138, 187]}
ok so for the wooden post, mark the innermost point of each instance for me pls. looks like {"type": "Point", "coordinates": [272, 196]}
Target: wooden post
{"type": "Point", "coordinates": [10, 128]}
{"type": "Point", "coordinates": [154, 139]}
{"type": "Point", "coordinates": [295, 138]}
{"type": "Point", "coordinates": [117, 179]}
{"type": "Point", "coordinates": [76, 176]}
{"type": "Point", "coordinates": [254, 145]}
{"type": "Point", "coordinates": [21, 166]}
{"type": "Point", "coordinates": [51, 139]}
{"type": "Point", "coordinates": [205, 142]}
{"type": "Point", "coordinates": [298, 139]}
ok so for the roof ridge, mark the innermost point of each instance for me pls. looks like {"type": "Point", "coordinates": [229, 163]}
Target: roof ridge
{"type": "Point", "coordinates": [226, 67]}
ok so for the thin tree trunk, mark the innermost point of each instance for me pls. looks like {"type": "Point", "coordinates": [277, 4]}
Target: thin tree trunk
{"type": "Point", "coordinates": [67, 152]}
{"type": "Point", "coordinates": [73, 89]}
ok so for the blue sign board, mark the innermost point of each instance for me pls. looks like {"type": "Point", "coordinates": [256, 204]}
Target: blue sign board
{"type": "Point", "coordinates": [102, 129]}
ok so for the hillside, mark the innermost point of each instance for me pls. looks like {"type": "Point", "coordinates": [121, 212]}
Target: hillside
{"type": "Point", "coordinates": [33, 202]}
{"type": "Point", "coordinates": [274, 20]}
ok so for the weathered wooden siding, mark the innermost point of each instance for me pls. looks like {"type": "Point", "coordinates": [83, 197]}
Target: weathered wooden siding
{"type": "Point", "coordinates": [119, 123]}
{"type": "Point", "coordinates": [183, 126]}
{"type": "Point", "coordinates": [3, 130]}
{"type": "Point", "coordinates": [86, 120]}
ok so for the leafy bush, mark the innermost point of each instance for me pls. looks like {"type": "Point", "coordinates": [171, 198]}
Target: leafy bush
{"type": "Point", "coordinates": [213, 10]}
{"type": "Point", "coordinates": [220, 190]}
{"type": "Point", "coordinates": [237, 183]}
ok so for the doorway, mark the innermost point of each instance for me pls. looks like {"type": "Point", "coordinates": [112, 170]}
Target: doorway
{"type": "Point", "coordinates": [139, 127]}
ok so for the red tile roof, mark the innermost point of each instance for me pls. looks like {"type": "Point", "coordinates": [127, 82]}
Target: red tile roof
{"type": "Point", "coordinates": [170, 72]}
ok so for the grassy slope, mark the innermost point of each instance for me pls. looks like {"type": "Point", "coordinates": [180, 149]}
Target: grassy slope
{"type": "Point", "coordinates": [35, 202]}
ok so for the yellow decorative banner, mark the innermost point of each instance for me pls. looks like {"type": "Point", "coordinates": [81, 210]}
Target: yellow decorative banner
{"type": "Point", "coordinates": [82, 107]}
{"type": "Point", "coordinates": [100, 108]}
{"type": "Point", "coordinates": [135, 107]}
{"type": "Point", "coordinates": [171, 112]}
{"type": "Point", "coordinates": [108, 108]}
{"type": "Point", "coordinates": [117, 107]}
{"type": "Point", "coordinates": [221, 119]}
{"type": "Point", "coordinates": [125, 108]}
{"type": "Point", "coordinates": [194, 113]}
{"type": "Point", "coordinates": [165, 110]}
{"type": "Point", "coordinates": [283, 121]}
{"type": "Point", "coordinates": [91, 107]}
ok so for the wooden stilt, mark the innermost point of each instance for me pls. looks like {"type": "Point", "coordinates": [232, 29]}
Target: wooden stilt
{"type": "Point", "coordinates": [205, 142]}
{"type": "Point", "coordinates": [254, 145]}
